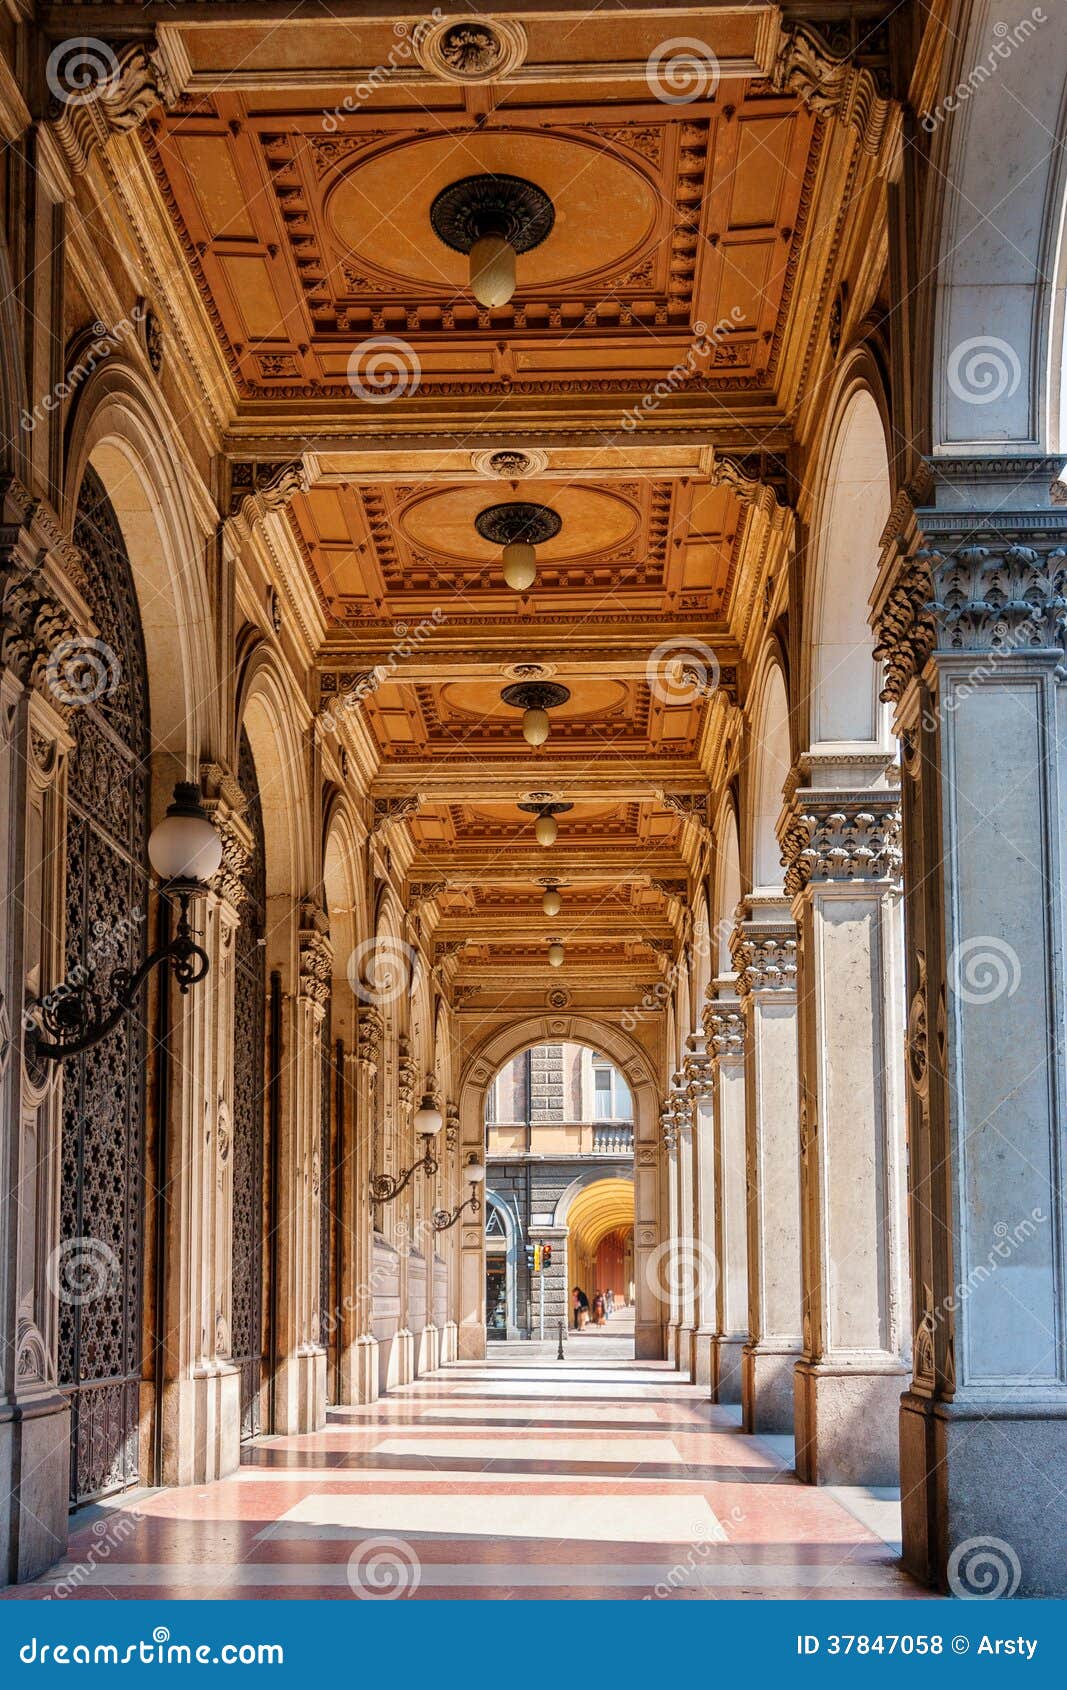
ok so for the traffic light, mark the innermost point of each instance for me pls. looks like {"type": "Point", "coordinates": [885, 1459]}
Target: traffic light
{"type": "Point", "coordinates": [546, 1255]}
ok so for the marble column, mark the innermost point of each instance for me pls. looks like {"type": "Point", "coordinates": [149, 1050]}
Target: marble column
{"type": "Point", "coordinates": [668, 1275]}
{"type": "Point", "coordinates": [359, 1347]}
{"type": "Point", "coordinates": [684, 1253]}
{"type": "Point", "coordinates": [725, 1033]}
{"type": "Point", "coordinates": [841, 844]}
{"type": "Point", "coordinates": [764, 954]}
{"type": "Point", "coordinates": [700, 1089]}
{"type": "Point", "coordinates": [300, 1396]}
{"type": "Point", "coordinates": [971, 612]}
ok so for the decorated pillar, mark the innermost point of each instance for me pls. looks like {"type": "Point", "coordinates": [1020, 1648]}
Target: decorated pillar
{"type": "Point", "coordinates": [704, 1268]}
{"type": "Point", "coordinates": [34, 1275]}
{"type": "Point", "coordinates": [725, 1033]}
{"type": "Point", "coordinates": [359, 1347]}
{"type": "Point", "coordinates": [300, 1392]}
{"type": "Point", "coordinates": [764, 949]}
{"type": "Point", "coordinates": [684, 1265]}
{"type": "Point", "coordinates": [201, 1396]}
{"type": "Point", "coordinates": [971, 612]}
{"type": "Point", "coordinates": [841, 844]}
{"type": "Point", "coordinates": [669, 1280]}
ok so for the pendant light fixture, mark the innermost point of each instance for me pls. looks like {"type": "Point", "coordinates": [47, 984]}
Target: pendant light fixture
{"type": "Point", "coordinates": [556, 953]}
{"type": "Point", "coordinates": [535, 699]}
{"type": "Point", "coordinates": [545, 828]}
{"type": "Point", "coordinates": [492, 219]}
{"type": "Point", "coordinates": [551, 902]}
{"type": "Point", "coordinates": [518, 526]}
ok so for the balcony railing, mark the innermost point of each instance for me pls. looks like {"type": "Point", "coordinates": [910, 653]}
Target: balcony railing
{"type": "Point", "coordinates": [561, 1138]}
{"type": "Point", "coordinates": [613, 1138]}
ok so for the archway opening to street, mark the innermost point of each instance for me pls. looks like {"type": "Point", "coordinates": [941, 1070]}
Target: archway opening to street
{"type": "Point", "coordinates": [559, 1126]}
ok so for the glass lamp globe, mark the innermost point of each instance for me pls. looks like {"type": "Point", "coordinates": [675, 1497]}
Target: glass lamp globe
{"type": "Point", "coordinates": [535, 726]}
{"type": "Point", "coordinates": [428, 1118]}
{"type": "Point", "coordinates": [184, 845]}
{"type": "Point", "coordinates": [551, 903]}
{"type": "Point", "coordinates": [520, 565]}
{"type": "Point", "coordinates": [556, 955]}
{"type": "Point", "coordinates": [546, 830]}
{"type": "Point", "coordinates": [476, 1172]}
{"type": "Point", "coordinates": [492, 270]}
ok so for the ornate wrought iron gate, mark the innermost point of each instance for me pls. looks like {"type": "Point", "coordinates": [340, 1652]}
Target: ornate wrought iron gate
{"type": "Point", "coordinates": [98, 1265]}
{"type": "Point", "coordinates": [249, 1092]}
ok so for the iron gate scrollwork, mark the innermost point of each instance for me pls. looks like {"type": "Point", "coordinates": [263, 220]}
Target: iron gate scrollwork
{"type": "Point", "coordinates": [98, 1268]}
{"type": "Point", "coordinates": [249, 1093]}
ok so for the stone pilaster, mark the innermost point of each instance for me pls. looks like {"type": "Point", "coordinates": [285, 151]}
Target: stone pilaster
{"type": "Point", "coordinates": [764, 953]}
{"type": "Point", "coordinates": [359, 1347]}
{"type": "Point", "coordinates": [725, 1034]}
{"type": "Point", "coordinates": [700, 1090]}
{"type": "Point", "coordinates": [841, 844]}
{"type": "Point", "coordinates": [684, 1253]}
{"type": "Point", "coordinates": [34, 749]}
{"type": "Point", "coordinates": [201, 1397]}
{"type": "Point", "coordinates": [668, 1274]}
{"type": "Point", "coordinates": [300, 1399]}
{"type": "Point", "coordinates": [971, 612]}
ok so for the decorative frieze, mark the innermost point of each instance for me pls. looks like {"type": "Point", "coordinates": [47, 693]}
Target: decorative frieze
{"type": "Point", "coordinates": [841, 836]}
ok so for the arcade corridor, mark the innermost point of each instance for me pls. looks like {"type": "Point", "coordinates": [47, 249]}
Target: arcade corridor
{"type": "Point", "coordinates": [520, 1477]}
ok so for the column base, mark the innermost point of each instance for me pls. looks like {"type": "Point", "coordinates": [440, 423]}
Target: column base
{"type": "Point", "coordinates": [471, 1342]}
{"type": "Point", "coordinates": [982, 1470]}
{"type": "Point", "coordinates": [726, 1368]}
{"type": "Point", "coordinates": [202, 1426]}
{"type": "Point", "coordinates": [650, 1341]}
{"type": "Point", "coordinates": [449, 1342]}
{"type": "Point", "coordinates": [358, 1372]}
{"type": "Point", "coordinates": [767, 1387]}
{"type": "Point", "coordinates": [34, 1485]}
{"type": "Point", "coordinates": [427, 1348]}
{"type": "Point", "coordinates": [846, 1422]}
{"type": "Point", "coordinates": [300, 1397]}
{"type": "Point", "coordinates": [702, 1356]}
{"type": "Point", "coordinates": [683, 1348]}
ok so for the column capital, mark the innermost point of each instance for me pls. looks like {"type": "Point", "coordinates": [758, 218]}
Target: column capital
{"type": "Point", "coordinates": [225, 803]}
{"type": "Point", "coordinates": [724, 1028]}
{"type": "Point", "coordinates": [697, 1068]}
{"type": "Point", "coordinates": [834, 836]}
{"type": "Point", "coordinates": [370, 1030]}
{"type": "Point", "coordinates": [316, 958]}
{"type": "Point", "coordinates": [765, 958]}
{"type": "Point", "coordinates": [407, 1073]}
{"type": "Point", "coordinates": [988, 583]}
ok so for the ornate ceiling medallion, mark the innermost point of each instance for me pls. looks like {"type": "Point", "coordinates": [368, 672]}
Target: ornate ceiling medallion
{"type": "Point", "coordinates": [473, 49]}
{"type": "Point", "coordinates": [509, 463]}
{"type": "Point", "coordinates": [518, 523]}
{"type": "Point", "coordinates": [492, 218]}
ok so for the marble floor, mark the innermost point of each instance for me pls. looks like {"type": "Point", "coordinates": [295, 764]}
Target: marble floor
{"type": "Point", "coordinates": [518, 1477]}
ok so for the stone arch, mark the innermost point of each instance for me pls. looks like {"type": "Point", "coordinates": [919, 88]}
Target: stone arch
{"type": "Point", "coordinates": [843, 680]}
{"type": "Point", "coordinates": [771, 761]}
{"type": "Point", "coordinates": [268, 714]}
{"type": "Point", "coordinates": [995, 242]}
{"type": "Point", "coordinates": [727, 884]}
{"type": "Point", "coordinates": [703, 966]}
{"type": "Point", "coordinates": [117, 425]}
{"type": "Point", "coordinates": [636, 1064]}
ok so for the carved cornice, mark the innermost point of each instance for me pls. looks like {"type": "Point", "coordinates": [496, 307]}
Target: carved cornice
{"type": "Point", "coordinates": [390, 810]}
{"type": "Point", "coordinates": [257, 489]}
{"type": "Point", "coordinates": [841, 836]}
{"type": "Point", "coordinates": [837, 88]}
{"type": "Point", "coordinates": [123, 85]}
{"type": "Point", "coordinates": [763, 495]}
{"type": "Point", "coordinates": [764, 958]}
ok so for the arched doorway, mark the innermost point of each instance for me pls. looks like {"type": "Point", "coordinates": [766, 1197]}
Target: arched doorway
{"type": "Point", "coordinates": [102, 1197]}
{"type": "Point", "coordinates": [598, 1215]}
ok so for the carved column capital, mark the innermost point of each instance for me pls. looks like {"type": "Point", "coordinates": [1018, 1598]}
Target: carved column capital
{"type": "Point", "coordinates": [724, 1029]}
{"type": "Point", "coordinates": [316, 958]}
{"type": "Point", "coordinates": [407, 1073]}
{"type": "Point", "coordinates": [370, 1030]}
{"type": "Point", "coordinates": [841, 836]}
{"type": "Point", "coordinates": [225, 804]}
{"type": "Point", "coordinates": [765, 959]}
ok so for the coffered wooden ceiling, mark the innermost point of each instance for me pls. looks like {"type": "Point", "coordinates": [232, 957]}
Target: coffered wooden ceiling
{"type": "Point", "coordinates": [297, 170]}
